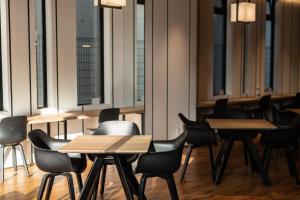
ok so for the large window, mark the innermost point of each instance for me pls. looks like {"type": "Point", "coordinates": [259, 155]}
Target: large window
{"type": "Point", "coordinates": [89, 53]}
{"type": "Point", "coordinates": [219, 51]}
{"type": "Point", "coordinates": [140, 50]}
{"type": "Point", "coordinates": [269, 45]}
{"type": "Point", "coordinates": [41, 62]}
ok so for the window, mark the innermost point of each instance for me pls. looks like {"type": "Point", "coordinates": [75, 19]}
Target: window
{"type": "Point", "coordinates": [41, 60]}
{"type": "Point", "coordinates": [140, 50]}
{"type": "Point", "coordinates": [90, 68]}
{"type": "Point", "coordinates": [269, 45]}
{"type": "Point", "coordinates": [219, 49]}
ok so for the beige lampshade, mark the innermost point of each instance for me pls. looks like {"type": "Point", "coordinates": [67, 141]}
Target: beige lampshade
{"type": "Point", "coordinates": [113, 3]}
{"type": "Point", "coordinates": [246, 12]}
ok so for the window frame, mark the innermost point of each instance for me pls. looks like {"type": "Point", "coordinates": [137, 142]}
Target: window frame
{"type": "Point", "coordinates": [45, 81]}
{"type": "Point", "coordinates": [101, 31]}
{"type": "Point", "coordinates": [271, 18]}
{"type": "Point", "coordinates": [139, 102]}
{"type": "Point", "coordinates": [223, 12]}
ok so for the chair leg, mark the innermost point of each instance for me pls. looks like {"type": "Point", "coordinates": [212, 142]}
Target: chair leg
{"type": "Point", "coordinates": [142, 187]}
{"type": "Point", "coordinates": [2, 147]}
{"type": "Point", "coordinates": [103, 175]}
{"type": "Point", "coordinates": [288, 159]}
{"type": "Point", "coordinates": [268, 159]}
{"type": "Point", "coordinates": [79, 181]}
{"type": "Point", "coordinates": [49, 188]}
{"type": "Point", "coordinates": [293, 165]}
{"type": "Point", "coordinates": [71, 186]}
{"type": "Point", "coordinates": [172, 187]}
{"type": "Point", "coordinates": [186, 162]}
{"type": "Point", "coordinates": [42, 187]}
{"type": "Point", "coordinates": [14, 158]}
{"type": "Point", "coordinates": [245, 154]}
{"type": "Point", "coordinates": [212, 163]}
{"type": "Point", "coordinates": [24, 160]}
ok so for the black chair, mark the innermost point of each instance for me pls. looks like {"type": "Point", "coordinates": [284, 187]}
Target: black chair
{"type": "Point", "coordinates": [295, 102]}
{"type": "Point", "coordinates": [198, 135]}
{"type": "Point", "coordinates": [49, 160]}
{"type": "Point", "coordinates": [162, 160]}
{"type": "Point", "coordinates": [13, 131]}
{"type": "Point", "coordinates": [113, 128]}
{"type": "Point", "coordinates": [264, 105]}
{"type": "Point", "coordinates": [108, 114]}
{"type": "Point", "coordinates": [285, 137]}
{"type": "Point", "coordinates": [219, 109]}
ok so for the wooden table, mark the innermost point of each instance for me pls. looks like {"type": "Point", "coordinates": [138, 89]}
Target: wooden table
{"type": "Point", "coordinates": [243, 100]}
{"type": "Point", "coordinates": [243, 126]}
{"type": "Point", "coordinates": [64, 117]}
{"type": "Point", "coordinates": [115, 146]}
{"type": "Point", "coordinates": [294, 110]}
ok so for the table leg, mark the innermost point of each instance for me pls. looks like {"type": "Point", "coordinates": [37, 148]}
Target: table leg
{"type": "Point", "coordinates": [90, 183]}
{"type": "Point", "coordinates": [143, 123]}
{"type": "Point", "coordinates": [48, 128]}
{"type": "Point", "coordinates": [65, 130]}
{"type": "Point", "coordinates": [227, 150]}
{"type": "Point", "coordinates": [257, 161]}
{"type": "Point", "coordinates": [123, 173]}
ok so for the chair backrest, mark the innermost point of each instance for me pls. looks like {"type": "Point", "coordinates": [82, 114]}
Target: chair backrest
{"type": "Point", "coordinates": [48, 160]}
{"type": "Point", "coordinates": [117, 128]}
{"type": "Point", "coordinates": [264, 103]}
{"type": "Point", "coordinates": [198, 134]}
{"type": "Point", "coordinates": [220, 106]}
{"type": "Point", "coordinates": [109, 114]}
{"type": "Point", "coordinates": [282, 117]}
{"type": "Point", "coordinates": [13, 130]}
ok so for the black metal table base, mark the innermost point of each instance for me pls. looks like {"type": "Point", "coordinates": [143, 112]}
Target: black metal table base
{"type": "Point", "coordinates": [129, 182]}
{"type": "Point", "coordinates": [224, 153]}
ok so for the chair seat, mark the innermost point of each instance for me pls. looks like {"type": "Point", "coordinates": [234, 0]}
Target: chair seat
{"type": "Point", "coordinates": [110, 160]}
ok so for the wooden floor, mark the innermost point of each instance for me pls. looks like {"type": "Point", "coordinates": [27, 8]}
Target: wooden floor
{"type": "Point", "coordinates": [238, 182]}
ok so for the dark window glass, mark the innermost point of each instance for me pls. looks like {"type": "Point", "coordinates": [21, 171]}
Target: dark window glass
{"type": "Point", "coordinates": [89, 53]}
{"type": "Point", "coordinates": [269, 45]}
{"type": "Point", "coordinates": [41, 62]}
{"type": "Point", "coordinates": [219, 72]}
{"type": "Point", "coordinates": [140, 49]}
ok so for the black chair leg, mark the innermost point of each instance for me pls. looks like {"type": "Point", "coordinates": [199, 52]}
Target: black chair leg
{"type": "Point", "coordinates": [79, 181]}
{"type": "Point", "coordinates": [268, 159]}
{"type": "Point", "coordinates": [103, 175]}
{"type": "Point", "coordinates": [212, 163]}
{"type": "Point", "coordinates": [288, 159]}
{"type": "Point", "coordinates": [71, 186]}
{"type": "Point", "coordinates": [42, 187]}
{"type": "Point", "coordinates": [2, 163]}
{"type": "Point", "coordinates": [14, 158]}
{"type": "Point", "coordinates": [142, 187]}
{"type": "Point", "coordinates": [49, 188]}
{"type": "Point", "coordinates": [24, 160]}
{"type": "Point", "coordinates": [172, 187]}
{"type": "Point", "coordinates": [293, 165]}
{"type": "Point", "coordinates": [245, 154]}
{"type": "Point", "coordinates": [186, 162]}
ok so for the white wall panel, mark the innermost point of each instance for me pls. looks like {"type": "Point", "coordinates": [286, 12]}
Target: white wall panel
{"type": "Point", "coordinates": [19, 57]}
{"type": "Point", "coordinates": [160, 69]}
{"type": "Point", "coordinates": [67, 64]}
{"type": "Point", "coordinates": [178, 64]}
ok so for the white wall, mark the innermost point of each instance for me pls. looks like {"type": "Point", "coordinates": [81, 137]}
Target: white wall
{"type": "Point", "coordinates": [170, 65]}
